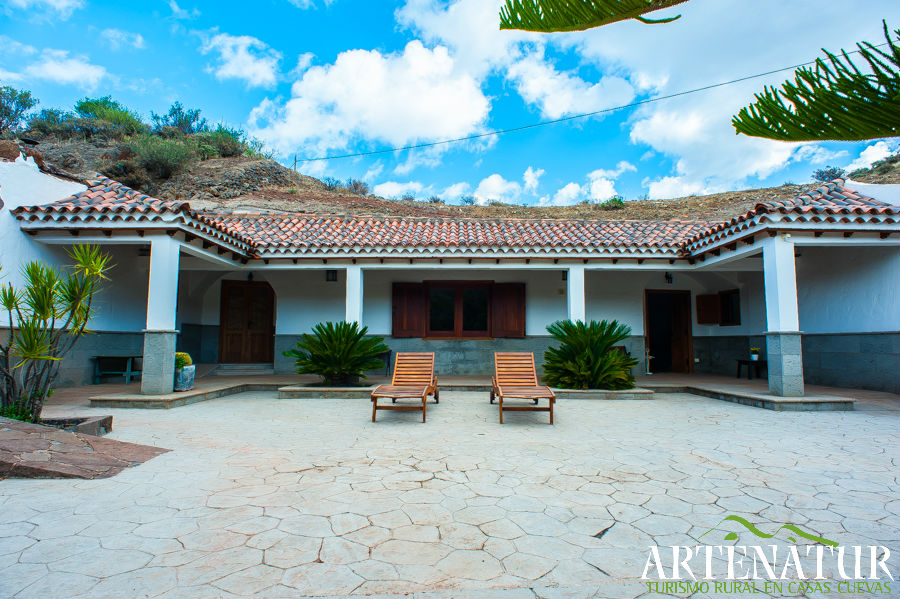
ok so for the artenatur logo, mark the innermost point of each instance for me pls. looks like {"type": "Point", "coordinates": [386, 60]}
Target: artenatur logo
{"type": "Point", "coordinates": [738, 558]}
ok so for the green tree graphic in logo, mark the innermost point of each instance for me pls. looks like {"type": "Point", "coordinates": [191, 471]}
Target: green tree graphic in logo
{"type": "Point", "coordinates": [791, 531]}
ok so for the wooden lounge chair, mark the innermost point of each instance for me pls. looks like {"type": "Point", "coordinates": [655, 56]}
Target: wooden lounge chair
{"type": "Point", "coordinates": [413, 379]}
{"type": "Point", "coordinates": [516, 377]}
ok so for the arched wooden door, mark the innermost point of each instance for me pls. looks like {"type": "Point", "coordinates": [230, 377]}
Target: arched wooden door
{"type": "Point", "coordinates": [246, 322]}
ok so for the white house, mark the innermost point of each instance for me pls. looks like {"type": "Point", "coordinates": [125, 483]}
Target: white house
{"type": "Point", "coordinates": [815, 281]}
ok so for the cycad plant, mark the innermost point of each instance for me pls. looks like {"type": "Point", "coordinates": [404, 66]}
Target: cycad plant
{"type": "Point", "coordinates": [47, 315]}
{"type": "Point", "coordinates": [338, 352]}
{"type": "Point", "coordinates": [587, 357]}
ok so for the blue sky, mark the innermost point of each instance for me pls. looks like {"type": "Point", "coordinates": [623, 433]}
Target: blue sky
{"type": "Point", "coordinates": [327, 77]}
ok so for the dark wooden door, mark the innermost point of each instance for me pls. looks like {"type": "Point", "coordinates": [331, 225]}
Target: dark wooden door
{"type": "Point", "coordinates": [668, 328]}
{"type": "Point", "coordinates": [246, 322]}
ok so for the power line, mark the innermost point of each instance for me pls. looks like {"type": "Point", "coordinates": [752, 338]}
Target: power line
{"type": "Point", "coordinates": [562, 119]}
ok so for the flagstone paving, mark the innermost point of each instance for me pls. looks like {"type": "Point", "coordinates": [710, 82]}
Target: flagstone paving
{"type": "Point", "coordinates": [262, 497]}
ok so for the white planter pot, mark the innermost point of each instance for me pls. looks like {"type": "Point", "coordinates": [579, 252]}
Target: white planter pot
{"type": "Point", "coordinates": [184, 378]}
{"type": "Point", "coordinates": [754, 357]}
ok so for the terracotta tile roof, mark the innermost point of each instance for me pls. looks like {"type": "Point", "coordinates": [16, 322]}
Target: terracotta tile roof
{"type": "Point", "coordinates": [330, 232]}
{"type": "Point", "coordinates": [105, 196]}
{"type": "Point", "coordinates": [830, 203]}
{"type": "Point", "coordinates": [108, 200]}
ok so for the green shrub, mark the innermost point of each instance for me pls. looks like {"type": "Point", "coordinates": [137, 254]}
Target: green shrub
{"type": "Point", "coordinates": [127, 172]}
{"type": "Point", "coordinates": [614, 203]}
{"type": "Point", "coordinates": [186, 121]}
{"type": "Point", "coordinates": [357, 187]}
{"type": "Point", "coordinates": [338, 352]}
{"type": "Point", "coordinates": [587, 357]}
{"type": "Point", "coordinates": [226, 142]}
{"type": "Point", "coordinates": [14, 104]}
{"type": "Point", "coordinates": [111, 114]}
{"type": "Point", "coordinates": [162, 157]}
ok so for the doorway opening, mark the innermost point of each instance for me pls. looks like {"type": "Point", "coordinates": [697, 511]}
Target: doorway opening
{"type": "Point", "coordinates": [246, 323]}
{"type": "Point", "coordinates": [668, 326]}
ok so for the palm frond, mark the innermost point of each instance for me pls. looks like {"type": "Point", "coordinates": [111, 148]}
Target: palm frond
{"type": "Point", "coordinates": [835, 100]}
{"type": "Point", "coordinates": [548, 16]}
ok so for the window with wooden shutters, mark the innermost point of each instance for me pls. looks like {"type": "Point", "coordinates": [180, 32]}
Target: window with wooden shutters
{"type": "Point", "coordinates": [508, 313]}
{"type": "Point", "coordinates": [708, 309]}
{"type": "Point", "coordinates": [408, 310]}
{"type": "Point", "coordinates": [459, 309]}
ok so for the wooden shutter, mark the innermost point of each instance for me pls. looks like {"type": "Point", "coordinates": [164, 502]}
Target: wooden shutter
{"type": "Point", "coordinates": [708, 309]}
{"type": "Point", "coordinates": [408, 310]}
{"type": "Point", "coordinates": [508, 310]}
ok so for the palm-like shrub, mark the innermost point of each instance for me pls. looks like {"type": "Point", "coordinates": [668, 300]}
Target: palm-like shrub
{"type": "Point", "coordinates": [338, 352]}
{"type": "Point", "coordinates": [47, 314]}
{"type": "Point", "coordinates": [586, 357]}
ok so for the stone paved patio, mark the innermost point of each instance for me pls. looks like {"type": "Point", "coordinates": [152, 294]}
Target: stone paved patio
{"type": "Point", "coordinates": [285, 498]}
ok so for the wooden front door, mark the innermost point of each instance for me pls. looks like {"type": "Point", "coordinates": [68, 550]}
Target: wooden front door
{"type": "Point", "coordinates": [669, 332]}
{"type": "Point", "coordinates": [246, 322]}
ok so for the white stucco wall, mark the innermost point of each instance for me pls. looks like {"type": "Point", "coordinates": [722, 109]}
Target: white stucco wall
{"type": "Point", "coordinates": [620, 295]}
{"type": "Point", "coordinates": [849, 290]}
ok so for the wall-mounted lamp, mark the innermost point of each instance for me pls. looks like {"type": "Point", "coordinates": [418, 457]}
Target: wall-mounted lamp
{"type": "Point", "coordinates": [669, 278]}
{"type": "Point", "coordinates": [331, 275]}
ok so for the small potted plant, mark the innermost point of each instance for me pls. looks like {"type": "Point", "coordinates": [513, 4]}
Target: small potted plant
{"type": "Point", "coordinates": [184, 372]}
{"type": "Point", "coordinates": [754, 353]}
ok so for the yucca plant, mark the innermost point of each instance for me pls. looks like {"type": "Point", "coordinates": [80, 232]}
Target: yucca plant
{"type": "Point", "coordinates": [46, 317]}
{"type": "Point", "coordinates": [586, 357]}
{"type": "Point", "coordinates": [338, 352]}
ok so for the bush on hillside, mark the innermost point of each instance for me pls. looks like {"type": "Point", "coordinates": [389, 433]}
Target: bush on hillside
{"type": "Point", "coordinates": [184, 120]}
{"type": "Point", "coordinates": [162, 157]}
{"type": "Point", "coordinates": [613, 203]}
{"type": "Point", "coordinates": [226, 142]}
{"type": "Point", "coordinates": [828, 173]}
{"type": "Point", "coordinates": [357, 187]}
{"type": "Point", "coordinates": [110, 113]}
{"type": "Point", "coordinates": [14, 105]}
{"type": "Point", "coordinates": [331, 184]}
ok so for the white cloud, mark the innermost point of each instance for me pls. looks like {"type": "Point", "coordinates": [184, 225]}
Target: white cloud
{"type": "Point", "coordinates": [601, 188]}
{"type": "Point", "coordinates": [816, 154]}
{"type": "Point", "coordinates": [243, 57]}
{"type": "Point", "coordinates": [375, 170]}
{"type": "Point", "coordinates": [622, 167]}
{"type": "Point", "coordinates": [401, 98]}
{"type": "Point", "coordinates": [182, 14]}
{"type": "Point", "coordinates": [456, 190]}
{"type": "Point", "coordinates": [394, 189]}
{"type": "Point", "coordinates": [303, 62]}
{"type": "Point", "coordinates": [567, 195]}
{"type": "Point", "coordinates": [695, 131]}
{"type": "Point", "coordinates": [116, 38]}
{"type": "Point", "coordinates": [57, 66]}
{"type": "Point", "coordinates": [60, 9]}
{"type": "Point", "coordinates": [304, 4]}
{"type": "Point", "coordinates": [532, 177]}
{"type": "Point", "coordinates": [497, 189]}
{"type": "Point", "coordinates": [559, 94]}
{"type": "Point", "coordinates": [674, 187]}
{"type": "Point", "coordinates": [877, 151]}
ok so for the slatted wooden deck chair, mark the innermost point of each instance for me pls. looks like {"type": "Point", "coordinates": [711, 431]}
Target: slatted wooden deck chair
{"type": "Point", "coordinates": [413, 379]}
{"type": "Point", "coordinates": [515, 377]}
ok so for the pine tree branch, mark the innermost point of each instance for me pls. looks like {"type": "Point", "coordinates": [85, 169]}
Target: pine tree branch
{"type": "Point", "coordinates": [548, 16]}
{"type": "Point", "coordinates": [835, 100]}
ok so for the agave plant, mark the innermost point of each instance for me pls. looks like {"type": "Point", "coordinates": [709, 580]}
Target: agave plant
{"type": "Point", "coordinates": [338, 352]}
{"type": "Point", "coordinates": [587, 357]}
{"type": "Point", "coordinates": [48, 314]}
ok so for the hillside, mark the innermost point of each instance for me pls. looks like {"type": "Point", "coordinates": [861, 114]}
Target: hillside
{"type": "Point", "coordinates": [244, 184]}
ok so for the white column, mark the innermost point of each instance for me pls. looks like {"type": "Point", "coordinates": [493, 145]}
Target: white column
{"type": "Point", "coordinates": [158, 369]}
{"type": "Point", "coordinates": [784, 343]}
{"type": "Point", "coordinates": [162, 293]}
{"type": "Point", "coordinates": [575, 293]}
{"type": "Point", "coordinates": [354, 294]}
{"type": "Point", "coordinates": [781, 284]}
